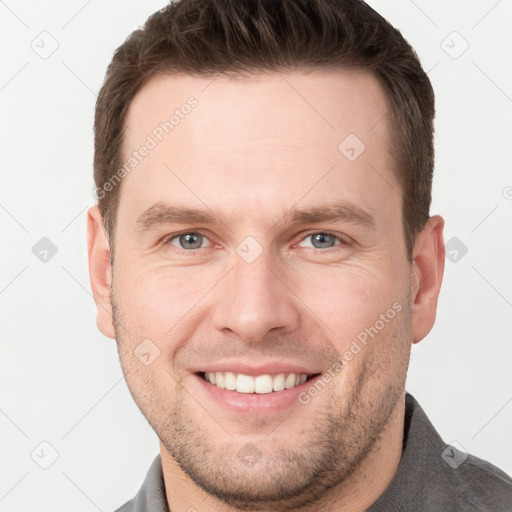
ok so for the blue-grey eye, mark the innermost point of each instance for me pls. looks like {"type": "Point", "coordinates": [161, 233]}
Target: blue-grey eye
{"type": "Point", "coordinates": [323, 240]}
{"type": "Point", "coordinates": [190, 240]}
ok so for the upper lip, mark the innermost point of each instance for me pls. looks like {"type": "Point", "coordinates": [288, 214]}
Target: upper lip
{"type": "Point", "coordinates": [245, 368]}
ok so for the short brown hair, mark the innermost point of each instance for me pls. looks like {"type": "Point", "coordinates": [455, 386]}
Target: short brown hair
{"type": "Point", "coordinates": [208, 37]}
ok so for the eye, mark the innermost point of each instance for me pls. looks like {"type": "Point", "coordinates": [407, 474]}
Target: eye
{"type": "Point", "coordinates": [322, 240]}
{"type": "Point", "coordinates": [188, 241]}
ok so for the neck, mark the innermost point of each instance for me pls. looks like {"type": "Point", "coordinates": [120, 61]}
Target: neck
{"type": "Point", "coordinates": [356, 493]}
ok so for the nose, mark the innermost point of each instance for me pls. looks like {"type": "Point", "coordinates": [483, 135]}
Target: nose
{"type": "Point", "coordinates": [254, 300]}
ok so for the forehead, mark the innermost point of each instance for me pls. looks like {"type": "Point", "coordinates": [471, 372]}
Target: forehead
{"type": "Point", "coordinates": [269, 138]}
{"type": "Point", "coordinates": [330, 101]}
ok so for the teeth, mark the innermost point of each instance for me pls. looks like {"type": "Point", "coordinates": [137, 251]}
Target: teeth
{"type": "Point", "coordinates": [229, 380]}
{"type": "Point", "coordinates": [278, 384]}
{"type": "Point", "coordinates": [244, 384]}
{"type": "Point", "coordinates": [261, 384]}
{"type": "Point", "coordinates": [291, 381]}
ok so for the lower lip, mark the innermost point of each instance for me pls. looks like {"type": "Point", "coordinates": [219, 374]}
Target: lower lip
{"type": "Point", "coordinates": [255, 403]}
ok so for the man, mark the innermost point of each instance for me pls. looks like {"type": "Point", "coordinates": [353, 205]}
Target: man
{"type": "Point", "coordinates": [262, 252]}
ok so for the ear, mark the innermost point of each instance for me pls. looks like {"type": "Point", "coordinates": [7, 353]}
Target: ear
{"type": "Point", "coordinates": [427, 276]}
{"type": "Point", "coordinates": [100, 270]}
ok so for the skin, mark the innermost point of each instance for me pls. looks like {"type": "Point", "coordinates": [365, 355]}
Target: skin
{"type": "Point", "coordinates": [251, 151]}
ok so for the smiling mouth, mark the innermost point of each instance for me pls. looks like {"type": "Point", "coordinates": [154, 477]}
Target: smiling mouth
{"type": "Point", "coordinates": [260, 384]}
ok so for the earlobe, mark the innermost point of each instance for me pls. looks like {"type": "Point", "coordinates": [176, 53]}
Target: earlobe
{"type": "Point", "coordinates": [100, 271]}
{"type": "Point", "coordinates": [427, 276]}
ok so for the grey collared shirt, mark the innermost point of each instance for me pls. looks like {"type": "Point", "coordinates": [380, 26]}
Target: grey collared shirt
{"type": "Point", "coordinates": [431, 477]}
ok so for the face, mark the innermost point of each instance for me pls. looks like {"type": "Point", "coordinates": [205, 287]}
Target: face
{"type": "Point", "coordinates": [259, 242]}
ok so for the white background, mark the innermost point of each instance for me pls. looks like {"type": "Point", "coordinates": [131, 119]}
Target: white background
{"type": "Point", "coordinates": [60, 379]}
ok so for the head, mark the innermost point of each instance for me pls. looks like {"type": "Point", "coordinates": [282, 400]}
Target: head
{"type": "Point", "coordinates": [264, 174]}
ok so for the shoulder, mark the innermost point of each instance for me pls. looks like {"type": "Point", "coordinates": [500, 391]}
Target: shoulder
{"type": "Point", "coordinates": [480, 485]}
{"type": "Point", "coordinates": [434, 476]}
{"type": "Point", "coordinates": [151, 495]}
{"type": "Point", "coordinates": [129, 506]}
{"type": "Point", "coordinates": [465, 481]}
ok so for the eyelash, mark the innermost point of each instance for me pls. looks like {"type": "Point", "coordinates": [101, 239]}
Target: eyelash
{"type": "Point", "coordinates": [342, 241]}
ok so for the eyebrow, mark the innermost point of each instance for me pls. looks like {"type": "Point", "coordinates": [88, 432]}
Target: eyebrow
{"type": "Point", "coordinates": [164, 213]}
{"type": "Point", "coordinates": [342, 212]}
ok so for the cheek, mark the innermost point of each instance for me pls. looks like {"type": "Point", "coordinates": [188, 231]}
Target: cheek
{"type": "Point", "coordinates": [358, 309]}
{"type": "Point", "coordinates": [155, 301]}
{"type": "Point", "coordinates": [350, 301]}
